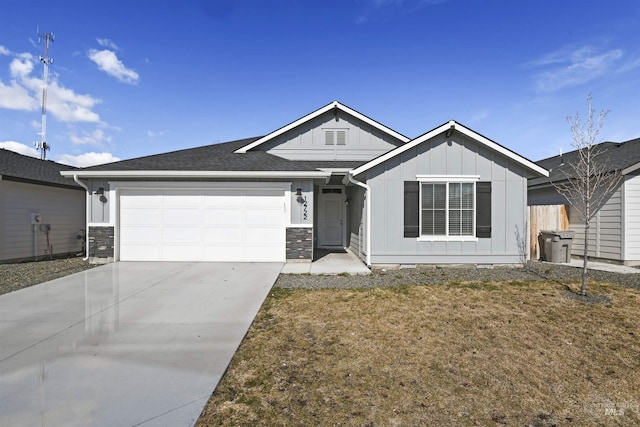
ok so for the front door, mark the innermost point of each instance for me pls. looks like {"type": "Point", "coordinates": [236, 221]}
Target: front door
{"type": "Point", "coordinates": [331, 217]}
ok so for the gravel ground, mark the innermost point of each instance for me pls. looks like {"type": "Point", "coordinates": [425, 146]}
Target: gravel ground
{"type": "Point", "coordinates": [22, 275]}
{"type": "Point", "coordinates": [443, 275]}
{"type": "Point", "coordinates": [25, 274]}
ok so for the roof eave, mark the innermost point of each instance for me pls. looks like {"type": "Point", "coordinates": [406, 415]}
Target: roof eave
{"type": "Point", "coordinates": [196, 174]}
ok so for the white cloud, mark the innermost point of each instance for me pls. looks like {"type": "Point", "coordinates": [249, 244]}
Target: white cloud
{"type": "Point", "coordinates": [87, 159]}
{"type": "Point", "coordinates": [20, 148]}
{"type": "Point", "coordinates": [16, 97]}
{"type": "Point", "coordinates": [107, 43]}
{"type": "Point", "coordinates": [4, 50]}
{"type": "Point", "coordinates": [96, 137]}
{"type": "Point", "coordinates": [573, 68]}
{"type": "Point", "coordinates": [108, 62]}
{"type": "Point", "coordinates": [152, 134]}
{"type": "Point", "coordinates": [25, 91]}
{"type": "Point", "coordinates": [69, 106]}
{"type": "Point", "coordinates": [479, 116]}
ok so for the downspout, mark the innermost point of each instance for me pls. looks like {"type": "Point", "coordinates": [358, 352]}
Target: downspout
{"type": "Point", "coordinates": [367, 231]}
{"type": "Point", "coordinates": [87, 201]}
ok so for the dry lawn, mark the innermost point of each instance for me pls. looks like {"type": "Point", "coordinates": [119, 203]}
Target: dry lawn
{"type": "Point", "coordinates": [464, 354]}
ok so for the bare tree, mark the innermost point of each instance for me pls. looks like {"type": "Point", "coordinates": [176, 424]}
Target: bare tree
{"type": "Point", "coordinates": [590, 179]}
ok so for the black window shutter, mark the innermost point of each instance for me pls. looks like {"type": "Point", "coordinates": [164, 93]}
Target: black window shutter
{"type": "Point", "coordinates": [483, 209]}
{"type": "Point", "coordinates": [411, 208]}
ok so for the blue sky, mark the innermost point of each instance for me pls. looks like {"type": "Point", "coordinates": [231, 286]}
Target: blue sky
{"type": "Point", "coordinates": [133, 78]}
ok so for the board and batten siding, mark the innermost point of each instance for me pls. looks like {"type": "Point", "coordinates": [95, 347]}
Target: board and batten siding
{"type": "Point", "coordinates": [632, 218]}
{"type": "Point", "coordinates": [606, 231]}
{"type": "Point", "coordinates": [63, 209]}
{"type": "Point", "coordinates": [356, 221]}
{"type": "Point", "coordinates": [458, 155]}
{"type": "Point", "coordinates": [309, 141]}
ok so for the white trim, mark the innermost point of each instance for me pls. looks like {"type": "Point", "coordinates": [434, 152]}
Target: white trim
{"type": "Point", "coordinates": [367, 232]}
{"type": "Point", "coordinates": [448, 178]}
{"type": "Point", "coordinates": [447, 239]}
{"type": "Point", "coordinates": [300, 226]}
{"type": "Point", "coordinates": [465, 131]}
{"type": "Point", "coordinates": [189, 185]}
{"type": "Point", "coordinates": [197, 174]}
{"type": "Point", "coordinates": [313, 115]}
{"type": "Point", "coordinates": [630, 169]}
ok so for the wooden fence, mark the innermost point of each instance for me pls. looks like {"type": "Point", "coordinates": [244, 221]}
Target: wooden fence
{"type": "Point", "coordinates": [545, 217]}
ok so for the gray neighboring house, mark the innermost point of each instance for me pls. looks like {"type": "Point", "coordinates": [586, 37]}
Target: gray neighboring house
{"type": "Point", "coordinates": [615, 229]}
{"type": "Point", "coordinates": [34, 198]}
{"type": "Point", "coordinates": [332, 179]}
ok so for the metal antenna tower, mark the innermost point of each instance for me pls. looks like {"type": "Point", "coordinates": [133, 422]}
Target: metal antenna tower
{"type": "Point", "coordinates": [43, 146]}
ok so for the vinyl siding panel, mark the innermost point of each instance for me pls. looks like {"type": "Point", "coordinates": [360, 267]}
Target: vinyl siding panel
{"type": "Point", "coordinates": [605, 234]}
{"type": "Point", "coordinates": [458, 156]}
{"type": "Point", "coordinates": [632, 218]}
{"type": "Point", "coordinates": [63, 209]}
{"type": "Point", "coordinates": [308, 142]}
{"type": "Point", "coordinates": [356, 221]}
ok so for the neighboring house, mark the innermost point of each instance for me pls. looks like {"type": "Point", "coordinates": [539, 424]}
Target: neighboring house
{"type": "Point", "coordinates": [615, 229]}
{"type": "Point", "coordinates": [334, 178]}
{"type": "Point", "coordinates": [37, 203]}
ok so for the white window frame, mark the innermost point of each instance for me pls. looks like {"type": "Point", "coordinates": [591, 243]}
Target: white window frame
{"type": "Point", "coordinates": [447, 179]}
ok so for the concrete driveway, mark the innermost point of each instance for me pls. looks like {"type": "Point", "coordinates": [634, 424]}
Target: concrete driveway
{"type": "Point", "coordinates": [125, 344]}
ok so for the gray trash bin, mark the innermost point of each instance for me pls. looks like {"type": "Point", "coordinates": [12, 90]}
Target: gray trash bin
{"type": "Point", "coordinates": [555, 245]}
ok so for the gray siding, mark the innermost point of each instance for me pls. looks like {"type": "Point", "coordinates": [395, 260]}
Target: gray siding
{"type": "Point", "coordinates": [632, 218]}
{"type": "Point", "coordinates": [356, 221]}
{"type": "Point", "coordinates": [461, 156]}
{"type": "Point", "coordinates": [63, 209]}
{"type": "Point", "coordinates": [307, 142]}
{"type": "Point", "coordinates": [302, 206]}
{"type": "Point", "coordinates": [605, 234]}
{"type": "Point", "coordinates": [99, 207]}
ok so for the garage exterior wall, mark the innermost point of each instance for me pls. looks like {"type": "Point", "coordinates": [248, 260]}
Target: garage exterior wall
{"type": "Point", "coordinates": [103, 211]}
{"type": "Point", "coordinates": [63, 209]}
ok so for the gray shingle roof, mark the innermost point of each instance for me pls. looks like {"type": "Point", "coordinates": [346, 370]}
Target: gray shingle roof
{"type": "Point", "coordinates": [216, 157]}
{"type": "Point", "coordinates": [618, 155]}
{"type": "Point", "coordinates": [17, 167]}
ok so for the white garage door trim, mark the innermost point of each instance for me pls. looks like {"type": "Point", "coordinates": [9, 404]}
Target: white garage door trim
{"type": "Point", "coordinates": [202, 221]}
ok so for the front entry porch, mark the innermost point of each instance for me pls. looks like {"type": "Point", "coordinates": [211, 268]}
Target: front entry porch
{"type": "Point", "coordinates": [328, 262]}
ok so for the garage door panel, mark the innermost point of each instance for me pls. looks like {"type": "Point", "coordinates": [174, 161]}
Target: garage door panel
{"type": "Point", "coordinates": [139, 235]}
{"type": "Point", "coordinates": [273, 236]}
{"type": "Point", "coordinates": [224, 216]}
{"type": "Point", "coordinates": [178, 216]}
{"type": "Point", "coordinates": [141, 216]}
{"type": "Point", "coordinates": [182, 235]}
{"type": "Point", "coordinates": [202, 225]}
{"type": "Point", "coordinates": [227, 235]}
{"type": "Point", "coordinates": [140, 200]}
{"type": "Point", "coordinates": [267, 218]}
{"type": "Point", "coordinates": [183, 201]}
{"type": "Point", "coordinates": [181, 253]}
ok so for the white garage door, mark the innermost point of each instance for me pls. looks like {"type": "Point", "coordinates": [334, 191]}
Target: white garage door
{"type": "Point", "coordinates": [202, 225]}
